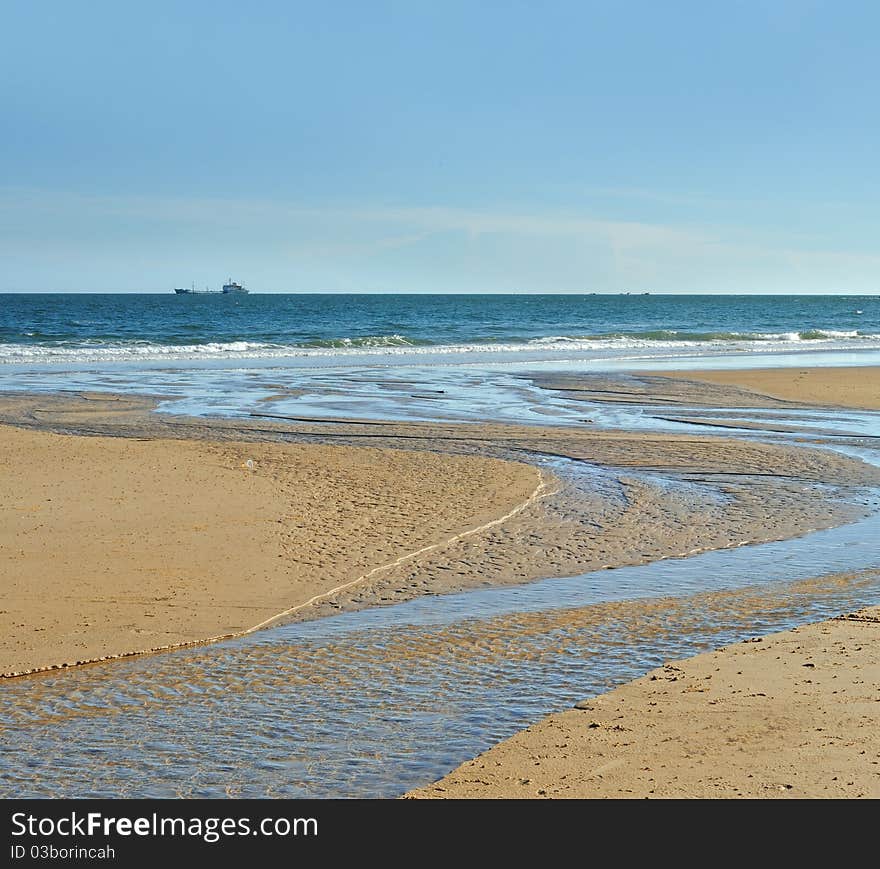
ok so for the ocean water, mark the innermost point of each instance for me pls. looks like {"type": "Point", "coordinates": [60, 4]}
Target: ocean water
{"type": "Point", "coordinates": [336, 329]}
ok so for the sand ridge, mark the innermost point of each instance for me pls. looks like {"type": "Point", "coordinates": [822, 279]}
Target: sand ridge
{"type": "Point", "coordinates": [115, 545]}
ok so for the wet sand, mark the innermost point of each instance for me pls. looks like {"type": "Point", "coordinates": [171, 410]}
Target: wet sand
{"type": "Point", "coordinates": [793, 714]}
{"type": "Point", "coordinates": [790, 715]}
{"type": "Point", "coordinates": [161, 535]}
{"type": "Point", "coordinates": [831, 387]}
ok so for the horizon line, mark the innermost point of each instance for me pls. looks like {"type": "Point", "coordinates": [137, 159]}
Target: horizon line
{"type": "Point", "coordinates": [634, 293]}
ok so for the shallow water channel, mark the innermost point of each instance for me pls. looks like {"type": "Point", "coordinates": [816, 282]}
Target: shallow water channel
{"type": "Point", "coordinates": [372, 703]}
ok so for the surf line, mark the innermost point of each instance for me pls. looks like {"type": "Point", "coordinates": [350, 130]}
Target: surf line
{"type": "Point", "coordinates": [541, 491]}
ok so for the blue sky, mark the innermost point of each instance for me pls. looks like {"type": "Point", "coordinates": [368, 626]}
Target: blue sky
{"type": "Point", "coordinates": [440, 147]}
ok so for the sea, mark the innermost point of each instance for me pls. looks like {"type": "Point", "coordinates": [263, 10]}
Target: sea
{"type": "Point", "coordinates": [461, 354]}
{"type": "Point", "coordinates": [75, 328]}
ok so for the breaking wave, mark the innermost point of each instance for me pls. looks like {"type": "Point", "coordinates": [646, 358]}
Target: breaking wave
{"type": "Point", "coordinates": [395, 344]}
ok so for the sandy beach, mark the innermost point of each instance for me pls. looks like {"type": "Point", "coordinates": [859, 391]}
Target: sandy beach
{"type": "Point", "coordinates": [127, 532]}
{"type": "Point", "coordinates": [790, 715]}
{"type": "Point", "coordinates": [165, 535]}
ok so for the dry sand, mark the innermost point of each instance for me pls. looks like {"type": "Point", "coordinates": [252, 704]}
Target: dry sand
{"type": "Point", "coordinates": [110, 546]}
{"type": "Point", "coordinates": [856, 387]}
{"type": "Point", "coordinates": [794, 714]}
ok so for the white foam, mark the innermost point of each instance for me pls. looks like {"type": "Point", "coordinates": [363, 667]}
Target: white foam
{"type": "Point", "coordinates": [396, 345]}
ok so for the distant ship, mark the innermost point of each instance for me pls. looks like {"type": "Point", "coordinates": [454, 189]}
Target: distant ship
{"type": "Point", "coordinates": [231, 287]}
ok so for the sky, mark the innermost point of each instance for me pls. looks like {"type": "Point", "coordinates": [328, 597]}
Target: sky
{"type": "Point", "coordinates": [442, 146]}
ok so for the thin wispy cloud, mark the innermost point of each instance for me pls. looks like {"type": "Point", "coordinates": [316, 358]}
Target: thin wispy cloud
{"type": "Point", "coordinates": [485, 248]}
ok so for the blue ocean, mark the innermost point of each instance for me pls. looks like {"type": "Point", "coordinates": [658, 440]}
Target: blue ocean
{"type": "Point", "coordinates": [77, 328]}
{"type": "Point", "coordinates": [415, 357]}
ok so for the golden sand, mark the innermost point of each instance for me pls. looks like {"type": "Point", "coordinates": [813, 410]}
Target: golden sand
{"type": "Point", "coordinates": [115, 545]}
{"type": "Point", "coordinates": [855, 387]}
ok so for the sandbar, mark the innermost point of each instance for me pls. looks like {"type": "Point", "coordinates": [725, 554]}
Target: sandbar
{"type": "Point", "coordinates": [853, 387]}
